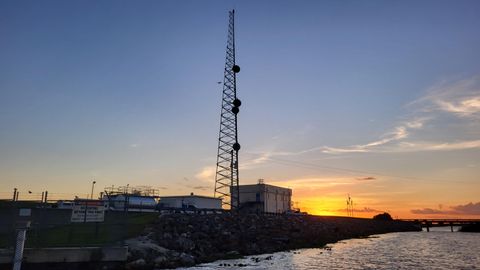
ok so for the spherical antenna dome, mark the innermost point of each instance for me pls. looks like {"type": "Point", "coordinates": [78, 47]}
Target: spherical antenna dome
{"type": "Point", "coordinates": [235, 110]}
{"type": "Point", "coordinates": [236, 146]}
{"type": "Point", "coordinates": [237, 102]}
{"type": "Point", "coordinates": [236, 69]}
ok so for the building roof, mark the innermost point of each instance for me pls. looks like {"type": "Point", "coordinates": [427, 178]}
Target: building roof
{"type": "Point", "coordinates": [189, 196]}
{"type": "Point", "coordinates": [266, 185]}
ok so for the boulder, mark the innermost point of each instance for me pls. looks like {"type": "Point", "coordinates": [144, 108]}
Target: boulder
{"type": "Point", "coordinates": [187, 259]}
{"type": "Point", "coordinates": [160, 261]}
{"type": "Point", "coordinates": [185, 244]}
{"type": "Point", "coordinates": [137, 264]}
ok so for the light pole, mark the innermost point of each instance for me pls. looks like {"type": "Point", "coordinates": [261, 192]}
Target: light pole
{"type": "Point", "coordinates": [93, 185]}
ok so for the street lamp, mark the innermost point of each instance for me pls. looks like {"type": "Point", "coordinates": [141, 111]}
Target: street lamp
{"type": "Point", "coordinates": [93, 185]}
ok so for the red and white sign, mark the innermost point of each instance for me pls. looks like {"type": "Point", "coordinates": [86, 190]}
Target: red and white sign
{"type": "Point", "coordinates": [88, 211]}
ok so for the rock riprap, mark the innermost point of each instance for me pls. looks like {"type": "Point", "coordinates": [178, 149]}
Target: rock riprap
{"type": "Point", "coordinates": [186, 239]}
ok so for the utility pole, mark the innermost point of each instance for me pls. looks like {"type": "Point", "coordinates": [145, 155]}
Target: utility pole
{"type": "Point", "coordinates": [227, 175]}
{"type": "Point", "coordinates": [349, 206]}
{"type": "Point", "coordinates": [93, 186]}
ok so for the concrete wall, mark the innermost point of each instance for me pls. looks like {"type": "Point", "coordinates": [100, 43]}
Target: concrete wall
{"type": "Point", "coordinates": [75, 254]}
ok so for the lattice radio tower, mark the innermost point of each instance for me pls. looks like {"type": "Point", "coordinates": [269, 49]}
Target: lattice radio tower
{"type": "Point", "coordinates": [226, 178]}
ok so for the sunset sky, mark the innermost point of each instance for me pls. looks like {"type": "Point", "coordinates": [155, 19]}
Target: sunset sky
{"type": "Point", "coordinates": [376, 99]}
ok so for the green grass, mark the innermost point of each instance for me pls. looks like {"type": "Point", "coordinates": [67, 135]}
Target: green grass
{"type": "Point", "coordinates": [116, 228]}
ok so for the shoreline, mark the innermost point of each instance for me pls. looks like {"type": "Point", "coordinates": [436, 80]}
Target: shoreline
{"type": "Point", "coordinates": [181, 240]}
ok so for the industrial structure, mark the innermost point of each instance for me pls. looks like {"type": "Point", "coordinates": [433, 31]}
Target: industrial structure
{"type": "Point", "coordinates": [263, 198]}
{"type": "Point", "coordinates": [126, 198]}
{"type": "Point", "coordinates": [146, 199]}
{"type": "Point", "coordinates": [227, 175]}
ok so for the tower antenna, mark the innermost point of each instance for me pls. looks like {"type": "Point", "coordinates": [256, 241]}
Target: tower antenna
{"type": "Point", "coordinates": [226, 177]}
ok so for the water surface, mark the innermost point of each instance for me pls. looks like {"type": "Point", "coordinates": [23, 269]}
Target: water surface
{"type": "Point", "coordinates": [438, 249]}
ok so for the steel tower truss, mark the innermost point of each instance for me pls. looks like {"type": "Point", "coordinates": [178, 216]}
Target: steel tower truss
{"type": "Point", "coordinates": [226, 178]}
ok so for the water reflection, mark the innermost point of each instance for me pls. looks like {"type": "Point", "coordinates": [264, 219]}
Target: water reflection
{"type": "Point", "coordinates": [437, 249]}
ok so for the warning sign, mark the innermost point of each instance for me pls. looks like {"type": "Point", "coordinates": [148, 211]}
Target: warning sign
{"type": "Point", "coordinates": [88, 211]}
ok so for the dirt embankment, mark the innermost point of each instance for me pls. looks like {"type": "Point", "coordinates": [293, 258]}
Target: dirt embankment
{"type": "Point", "coordinates": [183, 240]}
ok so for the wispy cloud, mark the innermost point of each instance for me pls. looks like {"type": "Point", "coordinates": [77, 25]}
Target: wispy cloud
{"type": "Point", "coordinates": [469, 208]}
{"type": "Point", "coordinates": [368, 178]}
{"type": "Point", "coordinates": [398, 133]}
{"type": "Point", "coordinates": [465, 209]}
{"type": "Point", "coordinates": [439, 146]}
{"type": "Point", "coordinates": [461, 98]}
{"type": "Point", "coordinates": [465, 107]}
{"type": "Point", "coordinates": [202, 187]}
{"type": "Point", "coordinates": [206, 174]}
{"type": "Point", "coordinates": [259, 158]}
{"type": "Point", "coordinates": [427, 211]}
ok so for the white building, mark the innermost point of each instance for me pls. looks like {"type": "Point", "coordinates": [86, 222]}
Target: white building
{"type": "Point", "coordinates": [263, 198]}
{"type": "Point", "coordinates": [190, 202]}
{"type": "Point", "coordinates": [63, 204]}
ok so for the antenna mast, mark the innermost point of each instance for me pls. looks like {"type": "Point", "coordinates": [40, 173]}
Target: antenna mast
{"type": "Point", "coordinates": [226, 177]}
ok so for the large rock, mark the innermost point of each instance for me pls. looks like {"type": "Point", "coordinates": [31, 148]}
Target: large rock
{"type": "Point", "coordinates": [187, 259]}
{"type": "Point", "coordinates": [137, 264]}
{"type": "Point", "coordinates": [143, 247]}
{"type": "Point", "coordinates": [185, 244]}
{"type": "Point", "coordinates": [161, 261]}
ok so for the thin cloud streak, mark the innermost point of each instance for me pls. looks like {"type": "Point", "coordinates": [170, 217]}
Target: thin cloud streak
{"type": "Point", "coordinates": [404, 147]}
{"type": "Point", "coordinates": [425, 146]}
{"type": "Point", "coordinates": [368, 178]}
{"type": "Point", "coordinates": [400, 132]}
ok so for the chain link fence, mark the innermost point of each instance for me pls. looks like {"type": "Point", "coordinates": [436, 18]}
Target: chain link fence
{"type": "Point", "coordinates": [51, 227]}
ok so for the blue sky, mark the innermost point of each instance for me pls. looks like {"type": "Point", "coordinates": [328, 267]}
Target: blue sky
{"type": "Point", "coordinates": [333, 91]}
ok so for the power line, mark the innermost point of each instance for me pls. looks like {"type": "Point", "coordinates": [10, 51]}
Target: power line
{"type": "Point", "coordinates": [311, 166]}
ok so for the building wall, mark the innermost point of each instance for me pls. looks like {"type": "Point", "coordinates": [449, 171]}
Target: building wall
{"type": "Point", "coordinates": [273, 199]}
{"type": "Point", "coordinates": [250, 193]}
{"type": "Point", "coordinates": [171, 202]}
{"type": "Point", "coordinates": [277, 199]}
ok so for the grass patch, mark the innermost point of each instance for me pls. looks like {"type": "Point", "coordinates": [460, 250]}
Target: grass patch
{"type": "Point", "coordinates": [116, 228]}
